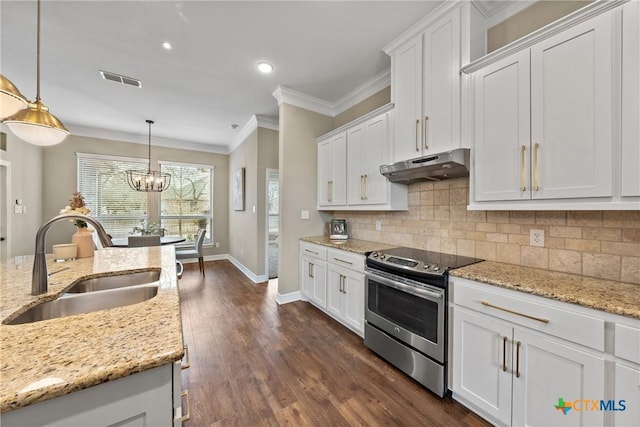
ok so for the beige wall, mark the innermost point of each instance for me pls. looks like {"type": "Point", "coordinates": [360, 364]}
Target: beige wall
{"type": "Point", "coordinates": [373, 102]}
{"type": "Point", "coordinates": [247, 237]}
{"type": "Point", "coordinates": [26, 184]}
{"type": "Point", "coordinates": [604, 244]}
{"type": "Point", "coordinates": [536, 16]}
{"type": "Point", "coordinates": [59, 181]}
{"type": "Point", "coordinates": [299, 129]}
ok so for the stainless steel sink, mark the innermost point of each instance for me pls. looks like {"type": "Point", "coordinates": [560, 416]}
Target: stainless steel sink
{"type": "Point", "coordinates": [113, 282]}
{"type": "Point", "coordinates": [70, 304]}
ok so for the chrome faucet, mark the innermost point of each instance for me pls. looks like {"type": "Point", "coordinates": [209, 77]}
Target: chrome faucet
{"type": "Point", "coordinates": [39, 280]}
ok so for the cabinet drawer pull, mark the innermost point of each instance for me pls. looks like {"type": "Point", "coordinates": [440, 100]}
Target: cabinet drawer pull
{"type": "Point", "coordinates": [311, 272]}
{"type": "Point", "coordinates": [187, 363]}
{"type": "Point", "coordinates": [539, 319]}
{"type": "Point", "coordinates": [518, 343]}
{"type": "Point", "coordinates": [366, 187]}
{"type": "Point", "coordinates": [343, 261]}
{"type": "Point", "coordinates": [536, 147]}
{"type": "Point", "coordinates": [312, 252]}
{"type": "Point", "coordinates": [186, 416]}
{"type": "Point", "coordinates": [417, 131]}
{"type": "Point", "coordinates": [426, 143]}
{"type": "Point", "coordinates": [522, 169]}
{"type": "Point", "coordinates": [504, 354]}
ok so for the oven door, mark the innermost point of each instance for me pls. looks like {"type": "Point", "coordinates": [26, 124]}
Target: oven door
{"type": "Point", "coordinates": [409, 311]}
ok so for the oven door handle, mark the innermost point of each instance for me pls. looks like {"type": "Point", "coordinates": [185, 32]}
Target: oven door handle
{"type": "Point", "coordinates": [422, 293]}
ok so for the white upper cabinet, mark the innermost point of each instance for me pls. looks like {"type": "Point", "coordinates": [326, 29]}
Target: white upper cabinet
{"type": "Point", "coordinates": [358, 150]}
{"type": "Point", "coordinates": [426, 82]}
{"type": "Point", "coordinates": [631, 99]}
{"type": "Point", "coordinates": [545, 117]}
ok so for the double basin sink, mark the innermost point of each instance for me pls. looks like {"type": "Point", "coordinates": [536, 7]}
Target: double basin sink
{"type": "Point", "coordinates": [97, 293]}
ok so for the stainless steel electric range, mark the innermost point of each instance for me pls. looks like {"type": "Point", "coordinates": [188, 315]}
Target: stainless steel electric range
{"type": "Point", "coordinates": [406, 311]}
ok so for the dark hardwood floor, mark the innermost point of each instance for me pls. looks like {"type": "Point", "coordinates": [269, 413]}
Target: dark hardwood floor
{"type": "Point", "coordinates": [256, 363]}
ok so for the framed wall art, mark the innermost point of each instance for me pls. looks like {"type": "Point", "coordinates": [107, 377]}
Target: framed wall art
{"type": "Point", "coordinates": [237, 190]}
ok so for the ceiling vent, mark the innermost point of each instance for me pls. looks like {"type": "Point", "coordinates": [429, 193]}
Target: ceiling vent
{"type": "Point", "coordinates": [120, 79]}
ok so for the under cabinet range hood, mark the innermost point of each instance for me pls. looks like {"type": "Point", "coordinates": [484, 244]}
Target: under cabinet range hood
{"type": "Point", "coordinates": [433, 167]}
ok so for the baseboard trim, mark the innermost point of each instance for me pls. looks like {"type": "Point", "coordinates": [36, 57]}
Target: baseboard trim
{"type": "Point", "coordinates": [206, 258]}
{"type": "Point", "coordinates": [253, 277]}
{"type": "Point", "coordinates": [287, 298]}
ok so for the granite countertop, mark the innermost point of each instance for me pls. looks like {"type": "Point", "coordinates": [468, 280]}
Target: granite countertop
{"type": "Point", "coordinates": [606, 295]}
{"type": "Point", "coordinates": [51, 358]}
{"type": "Point", "coordinates": [350, 245]}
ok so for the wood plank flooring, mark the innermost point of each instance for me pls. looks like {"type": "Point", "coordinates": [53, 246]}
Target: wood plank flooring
{"type": "Point", "coordinates": [256, 363]}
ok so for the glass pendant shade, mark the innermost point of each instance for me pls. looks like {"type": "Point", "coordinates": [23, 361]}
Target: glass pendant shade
{"type": "Point", "coordinates": [11, 100]}
{"type": "Point", "coordinates": [149, 181]}
{"type": "Point", "coordinates": [37, 126]}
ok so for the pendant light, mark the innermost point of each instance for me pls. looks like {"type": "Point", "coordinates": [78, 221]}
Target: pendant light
{"type": "Point", "coordinates": [11, 100]}
{"type": "Point", "coordinates": [149, 181]}
{"type": "Point", "coordinates": [35, 124]}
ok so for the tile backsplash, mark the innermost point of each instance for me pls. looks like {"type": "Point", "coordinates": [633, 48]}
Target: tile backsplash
{"type": "Point", "coordinates": [604, 244]}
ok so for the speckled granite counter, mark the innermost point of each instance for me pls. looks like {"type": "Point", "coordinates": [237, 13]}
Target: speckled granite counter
{"type": "Point", "coordinates": [350, 245]}
{"type": "Point", "coordinates": [606, 295]}
{"type": "Point", "coordinates": [51, 358]}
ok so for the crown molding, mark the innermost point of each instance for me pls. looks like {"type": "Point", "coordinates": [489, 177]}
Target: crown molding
{"type": "Point", "coordinates": [302, 100]}
{"type": "Point", "coordinates": [256, 121]}
{"type": "Point", "coordinates": [362, 92]}
{"type": "Point", "coordinates": [78, 130]}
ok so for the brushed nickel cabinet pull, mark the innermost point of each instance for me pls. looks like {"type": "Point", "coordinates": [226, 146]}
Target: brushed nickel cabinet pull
{"type": "Point", "coordinates": [518, 343]}
{"type": "Point", "coordinates": [536, 147]}
{"type": "Point", "coordinates": [504, 354]}
{"type": "Point", "coordinates": [361, 187]}
{"type": "Point", "coordinates": [311, 272]}
{"type": "Point", "coordinates": [343, 261]}
{"type": "Point", "coordinates": [426, 143]}
{"type": "Point", "coordinates": [187, 416]}
{"type": "Point", "coordinates": [366, 187]}
{"type": "Point", "coordinates": [187, 363]}
{"type": "Point", "coordinates": [344, 285]}
{"type": "Point", "coordinates": [517, 313]}
{"type": "Point", "coordinates": [417, 131]}
{"type": "Point", "coordinates": [310, 251]}
{"type": "Point", "coordinates": [522, 177]}
{"type": "Point", "coordinates": [340, 283]}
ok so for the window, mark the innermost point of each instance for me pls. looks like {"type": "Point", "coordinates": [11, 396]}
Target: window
{"type": "Point", "coordinates": [103, 183]}
{"type": "Point", "coordinates": [187, 205]}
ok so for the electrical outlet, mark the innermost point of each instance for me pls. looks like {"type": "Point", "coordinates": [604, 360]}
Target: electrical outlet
{"type": "Point", "coordinates": [536, 238]}
{"type": "Point", "coordinates": [217, 244]}
{"type": "Point", "coordinates": [378, 225]}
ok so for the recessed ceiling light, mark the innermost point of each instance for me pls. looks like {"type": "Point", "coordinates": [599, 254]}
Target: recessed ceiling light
{"type": "Point", "coordinates": [265, 67]}
{"type": "Point", "coordinates": [167, 45]}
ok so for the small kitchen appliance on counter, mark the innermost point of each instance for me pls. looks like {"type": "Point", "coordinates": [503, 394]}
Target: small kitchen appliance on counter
{"type": "Point", "coordinates": [406, 311]}
{"type": "Point", "coordinates": [338, 229]}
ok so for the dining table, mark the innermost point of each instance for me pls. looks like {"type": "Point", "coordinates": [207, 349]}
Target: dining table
{"type": "Point", "coordinates": [123, 242]}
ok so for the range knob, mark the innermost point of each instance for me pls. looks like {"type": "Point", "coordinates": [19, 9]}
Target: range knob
{"type": "Point", "coordinates": [375, 254]}
{"type": "Point", "coordinates": [382, 257]}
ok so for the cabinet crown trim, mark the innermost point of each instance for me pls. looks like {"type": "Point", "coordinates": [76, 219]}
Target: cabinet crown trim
{"type": "Point", "coordinates": [591, 10]}
{"type": "Point", "coordinates": [361, 119]}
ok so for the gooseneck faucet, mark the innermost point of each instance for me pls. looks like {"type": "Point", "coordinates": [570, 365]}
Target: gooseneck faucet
{"type": "Point", "coordinates": [39, 280]}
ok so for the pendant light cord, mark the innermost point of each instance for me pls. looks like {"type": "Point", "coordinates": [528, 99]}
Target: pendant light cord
{"type": "Point", "coordinates": [38, 54]}
{"type": "Point", "coordinates": [150, 122]}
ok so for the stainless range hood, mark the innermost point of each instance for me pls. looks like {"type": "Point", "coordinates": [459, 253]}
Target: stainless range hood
{"type": "Point", "coordinates": [433, 167]}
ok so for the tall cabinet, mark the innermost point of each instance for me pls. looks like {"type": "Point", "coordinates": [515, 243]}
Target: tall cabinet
{"type": "Point", "coordinates": [426, 82]}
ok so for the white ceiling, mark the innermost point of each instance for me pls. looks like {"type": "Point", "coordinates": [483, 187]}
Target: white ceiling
{"type": "Point", "coordinates": [209, 80]}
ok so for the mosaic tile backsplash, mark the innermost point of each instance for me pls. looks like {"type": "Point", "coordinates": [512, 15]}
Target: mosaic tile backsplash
{"type": "Point", "coordinates": [603, 244]}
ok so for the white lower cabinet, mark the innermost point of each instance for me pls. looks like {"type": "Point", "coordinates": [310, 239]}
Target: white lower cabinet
{"type": "Point", "coordinates": [333, 280]}
{"type": "Point", "coordinates": [142, 399]}
{"type": "Point", "coordinates": [511, 364]}
{"type": "Point", "coordinates": [627, 395]}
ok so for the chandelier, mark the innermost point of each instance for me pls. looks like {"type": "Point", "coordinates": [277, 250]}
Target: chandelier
{"type": "Point", "coordinates": [34, 124]}
{"type": "Point", "coordinates": [149, 181]}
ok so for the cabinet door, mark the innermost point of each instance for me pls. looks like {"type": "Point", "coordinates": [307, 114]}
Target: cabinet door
{"type": "Point", "coordinates": [376, 151]}
{"type": "Point", "coordinates": [630, 99]}
{"type": "Point", "coordinates": [353, 294]}
{"type": "Point", "coordinates": [325, 172]}
{"type": "Point", "coordinates": [356, 147]}
{"type": "Point", "coordinates": [501, 131]}
{"type": "Point", "coordinates": [627, 388]}
{"type": "Point", "coordinates": [332, 171]}
{"type": "Point", "coordinates": [482, 363]}
{"type": "Point", "coordinates": [335, 283]}
{"type": "Point", "coordinates": [546, 370]}
{"type": "Point", "coordinates": [320, 283]}
{"type": "Point", "coordinates": [306, 279]}
{"type": "Point", "coordinates": [571, 114]}
{"type": "Point", "coordinates": [406, 94]}
{"type": "Point", "coordinates": [441, 79]}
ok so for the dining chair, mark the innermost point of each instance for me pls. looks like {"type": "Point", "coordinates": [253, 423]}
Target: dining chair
{"type": "Point", "coordinates": [195, 251]}
{"type": "Point", "coordinates": [141, 241]}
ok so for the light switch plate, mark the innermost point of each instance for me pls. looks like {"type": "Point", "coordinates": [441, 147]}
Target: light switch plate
{"type": "Point", "coordinates": [304, 214]}
{"type": "Point", "coordinates": [17, 209]}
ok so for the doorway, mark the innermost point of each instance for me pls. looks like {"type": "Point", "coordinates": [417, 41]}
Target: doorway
{"type": "Point", "coordinates": [273, 219]}
{"type": "Point", "coordinates": [5, 212]}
